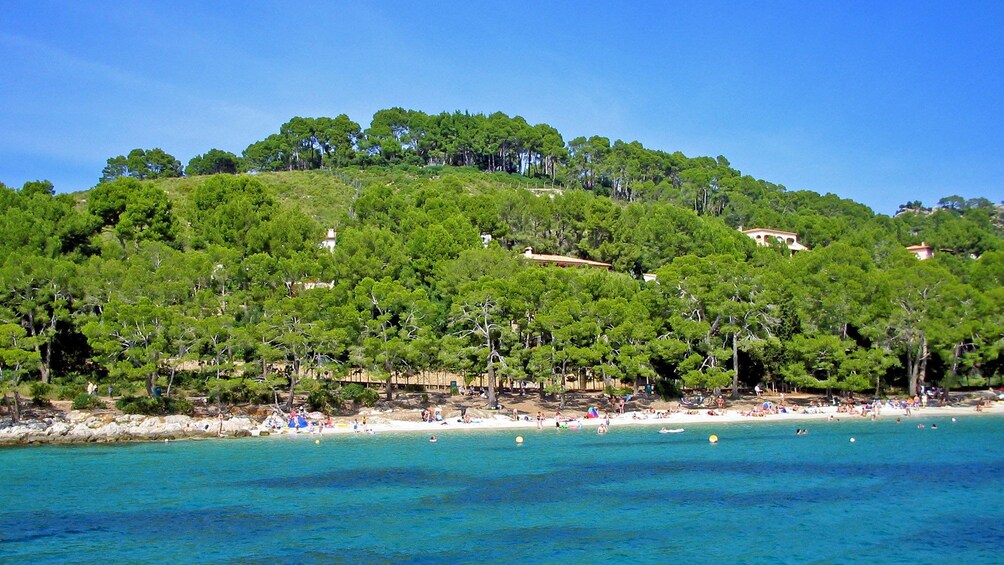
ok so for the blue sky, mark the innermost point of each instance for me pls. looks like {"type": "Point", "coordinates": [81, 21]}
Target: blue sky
{"type": "Point", "coordinates": [880, 102]}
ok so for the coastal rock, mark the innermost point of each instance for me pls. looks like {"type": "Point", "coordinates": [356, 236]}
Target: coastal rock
{"type": "Point", "coordinates": [58, 429]}
{"type": "Point", "coordinates": [111, 431]}
{"type": "Point", "coordinates": [80, 432]}
{"type": "Point", "coordinates": [238, 426]}
{"type": "Point", "coordinates": [132, 419]}
{"type": "Point", "coordinates": [81, 427]}
{"type": "Point", "coordinates": [14, 433]}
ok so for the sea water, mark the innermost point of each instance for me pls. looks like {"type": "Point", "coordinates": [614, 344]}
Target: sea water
{"type": "Point", "coordinates": [897, 494]}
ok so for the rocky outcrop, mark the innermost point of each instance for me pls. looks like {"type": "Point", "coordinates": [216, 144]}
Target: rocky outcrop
{"type": "Point", "coordinates": [86, 427]}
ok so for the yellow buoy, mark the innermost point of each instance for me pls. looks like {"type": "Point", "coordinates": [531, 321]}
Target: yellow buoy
{"type": "Point", "coordinates": [519, 440]}
{"type": "Point", "coordinates": [317, 441]}
{"type": "Point", "coordinates": [713, 438]}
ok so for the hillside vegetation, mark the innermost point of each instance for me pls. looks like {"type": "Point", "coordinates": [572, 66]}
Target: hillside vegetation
{"type": "Point", "coordinates": [216, 284]}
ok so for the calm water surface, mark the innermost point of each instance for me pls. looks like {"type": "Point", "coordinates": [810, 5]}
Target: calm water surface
{"type": "Point", "coordinates": [897, 495]}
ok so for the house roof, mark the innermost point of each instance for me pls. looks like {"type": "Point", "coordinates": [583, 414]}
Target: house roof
{"type": "Point", "coordinates": [771, 231]}
{"type": "Point", "coordinates": [563, 260]}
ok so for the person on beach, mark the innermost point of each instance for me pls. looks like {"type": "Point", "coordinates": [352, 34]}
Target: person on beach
{"type": "Point", "coordinates": [757, 390]}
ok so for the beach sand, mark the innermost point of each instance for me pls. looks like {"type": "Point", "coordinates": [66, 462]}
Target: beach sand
{"type": "Point", "coordinates": [404, 415]}
{"type": "Point", "coordinates": [655, 413]}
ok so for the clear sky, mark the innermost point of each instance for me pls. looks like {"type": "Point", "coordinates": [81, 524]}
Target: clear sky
{"type": "Point", "coordinates": [880, 102]}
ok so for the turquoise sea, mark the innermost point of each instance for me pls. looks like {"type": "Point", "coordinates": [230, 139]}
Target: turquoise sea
{"type": "Point", "coordinates": [898, 494]}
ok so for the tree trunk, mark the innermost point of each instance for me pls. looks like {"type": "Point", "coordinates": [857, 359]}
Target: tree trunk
{"type": "Point", "coordinates": [170, 382]}
{"type": "Point", "coordinates": [15, 407]}
{"type": "Point", "coordinates": [922, 373]}
{"type": "Point", "coordinates": [916, 362]}
{"type": "Point", "coordinates": [735, 367]}
{"type": "Point", "coordinates": [292, 385]}
{"type": "Point", "coordinates": [492, 399]}
{"type": "Point", "coordinates": [43, 368]}
{"type": "Point", "coordinates": [46, 367]}
{"type": "Point", "coordinates": [956, 353]}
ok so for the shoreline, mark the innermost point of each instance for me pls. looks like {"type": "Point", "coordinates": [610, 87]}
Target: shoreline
{"type": "Point", "coordinates": [638, 419]}
{"type": "Point", "coordinates": [86, 428]}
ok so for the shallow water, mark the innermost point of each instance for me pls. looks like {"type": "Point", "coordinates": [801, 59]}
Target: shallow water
{"type": "Point", "coordinates": [897, 495]}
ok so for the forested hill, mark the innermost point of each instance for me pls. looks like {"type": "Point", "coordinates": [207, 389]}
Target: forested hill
{"type": "Point", "coordinates": [328, 196]}
{"type": "Point", "coordinates": [150, 273]}
{"type": "Point", "coordinates": [538, 155]}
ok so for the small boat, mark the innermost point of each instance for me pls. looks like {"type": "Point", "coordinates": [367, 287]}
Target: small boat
{"type": "Point", "coordinates": [672, 431]}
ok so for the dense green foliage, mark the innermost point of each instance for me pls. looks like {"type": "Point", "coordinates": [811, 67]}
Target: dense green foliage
{"type": "Point", "coordinates": [216, 283]}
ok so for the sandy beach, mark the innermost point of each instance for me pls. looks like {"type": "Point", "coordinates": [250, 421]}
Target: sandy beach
{"type": "Point", "coordinates": [436, 414]}
{"type": "Point", "coordinates": [377, 422]}
{"type": "Point", "coordinates": [520, 413]}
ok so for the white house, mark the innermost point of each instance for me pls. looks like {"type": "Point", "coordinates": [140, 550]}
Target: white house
{"type": "Point", "coordinates": [763, 236]}
{"type": "Point", "coordinates": [330, 240]}
{"type": "Point", "coordinates": [922, 251]}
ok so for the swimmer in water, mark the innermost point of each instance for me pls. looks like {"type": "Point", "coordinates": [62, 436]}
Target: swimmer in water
{"type": "Point", "coordinates": [432, 439]}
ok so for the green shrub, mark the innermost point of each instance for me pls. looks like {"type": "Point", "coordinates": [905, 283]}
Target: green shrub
{"type": "Point", "coordinates": [127, 388]}
{"type": "Point", "coordinates": [69, 391]}
{"type": "Point", "coordinates": [149, 406]}
{"type": "Point", "coordinates": [180, 406]}
{"type": "Point", "coordinates": [668, 388]}
{"type": "Point", "coordinates": [40, 393]}
{"type": "Point", "coordinates": [555, 388]}
{"type": "Point", "coordinates": [325, 399]}
{"type": "Point", "coordinates": [360, 394]}
{"type": "Point", "coordinates": [239, 390]}
{"type": "Point", "coordinates": [611, 390]}
{"type": "Point", "coordinates": [84, 401]}
{"type": "Point", "coordinates": [328, 396]}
